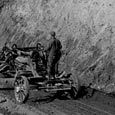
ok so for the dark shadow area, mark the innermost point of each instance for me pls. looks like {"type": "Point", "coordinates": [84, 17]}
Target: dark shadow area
{"type": "Point", "coordinates": [62, 95]}
{"type": "Point", "coordinates": [45, 99]}
{"type": "Point", "coordinates": [85, 92]}
{"type": "Point", "coordinates": [6, 89]}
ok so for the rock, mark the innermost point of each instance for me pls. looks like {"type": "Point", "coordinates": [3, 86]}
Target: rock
{"type": "Point", "coordinates": [3, 99]}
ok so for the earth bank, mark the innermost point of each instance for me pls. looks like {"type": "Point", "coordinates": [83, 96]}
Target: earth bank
{"type": "Point", "coordinates": [86, 29]}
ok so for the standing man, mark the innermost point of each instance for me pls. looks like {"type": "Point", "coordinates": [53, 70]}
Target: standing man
{"type": "Point", "coordinates": [54, 54]}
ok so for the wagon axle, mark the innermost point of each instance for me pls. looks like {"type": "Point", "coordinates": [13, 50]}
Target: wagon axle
{"type": "Point", "coordinates": [22, 86]}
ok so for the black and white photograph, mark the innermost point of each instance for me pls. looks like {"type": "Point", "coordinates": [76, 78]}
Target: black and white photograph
{"type": "Point", "coordinates": [57, 57]}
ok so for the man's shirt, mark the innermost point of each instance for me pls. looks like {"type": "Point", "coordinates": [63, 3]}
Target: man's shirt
{"type": "Point", "coordinates": [54, 47]}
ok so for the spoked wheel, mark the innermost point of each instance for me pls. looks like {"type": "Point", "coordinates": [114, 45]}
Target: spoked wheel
{"type": "Point", "coordinates": [74, 87]}
{"type": "Point", "coordinates": [21, 89]}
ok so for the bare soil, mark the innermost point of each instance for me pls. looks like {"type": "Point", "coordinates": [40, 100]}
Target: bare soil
{"type": "Point", "coordinates": [98, 104]}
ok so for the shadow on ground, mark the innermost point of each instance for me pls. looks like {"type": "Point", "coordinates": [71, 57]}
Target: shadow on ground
{"type": "Point", "coordinates": [60, 95]}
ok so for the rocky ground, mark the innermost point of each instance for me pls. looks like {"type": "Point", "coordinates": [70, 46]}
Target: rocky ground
{"type": "Point", "coordinates": [43, 104]}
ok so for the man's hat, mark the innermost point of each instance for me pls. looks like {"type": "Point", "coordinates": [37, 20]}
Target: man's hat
{"type": "Point", "coordinates": [52, 33]}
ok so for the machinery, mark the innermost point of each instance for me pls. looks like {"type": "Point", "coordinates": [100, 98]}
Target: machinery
{"type": "Point", "coordinates": [29, 76]}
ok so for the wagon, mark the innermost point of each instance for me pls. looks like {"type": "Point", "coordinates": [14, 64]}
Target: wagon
{"type": "Point", "coordinates": [9, 64]}
{"type": "Point", "coordinates": [30, 77]}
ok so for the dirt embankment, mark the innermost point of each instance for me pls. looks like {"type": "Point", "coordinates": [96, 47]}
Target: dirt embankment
{"type": "Point", "coordinates": [86, 29]}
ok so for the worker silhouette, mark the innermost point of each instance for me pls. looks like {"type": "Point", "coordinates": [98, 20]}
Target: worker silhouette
{"type": "Point", "coordinates": [54, 53]}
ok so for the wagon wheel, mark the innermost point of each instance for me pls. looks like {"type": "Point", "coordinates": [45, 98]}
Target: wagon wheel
{"type": "Point", "coordinates": [21, 89]}
{"type": "Point", "coordinates": [74, 87]}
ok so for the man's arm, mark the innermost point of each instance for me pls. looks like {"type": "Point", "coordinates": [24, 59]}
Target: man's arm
{"type": "Point", "coordinates": [48, 46]}
{"type": "Point", "coordinates": [60, 46]}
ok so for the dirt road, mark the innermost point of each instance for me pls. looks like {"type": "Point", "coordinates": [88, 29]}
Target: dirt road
{"type": "Point", "coordinates": [43, 103]}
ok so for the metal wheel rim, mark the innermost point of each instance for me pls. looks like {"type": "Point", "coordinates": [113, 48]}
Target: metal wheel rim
{"type": "Point", "coordinates": [20, 90]}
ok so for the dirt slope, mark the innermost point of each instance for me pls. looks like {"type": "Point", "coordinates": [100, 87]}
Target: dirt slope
{"type": "Point", "coordinates": [86, 29]}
